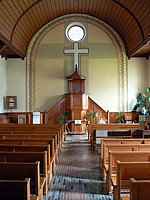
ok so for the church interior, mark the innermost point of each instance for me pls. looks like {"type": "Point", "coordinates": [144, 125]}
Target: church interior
{"type": "Point", "coordinates": [74, 76]}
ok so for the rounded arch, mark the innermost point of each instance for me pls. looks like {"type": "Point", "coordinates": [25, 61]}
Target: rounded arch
{"type": "Point", "coordinates": [115, 38]}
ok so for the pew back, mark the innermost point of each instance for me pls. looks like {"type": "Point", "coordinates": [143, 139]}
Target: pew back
{"type": "Point", "coordinates": [25, 141]}
{"type": "Point", "coordinates": [36, 134]}
{"type": "Point", "coordinates": [27, 148]}
{"type": "Point", "coordinates": [17, 171]}
{"type": "Point", "coordinates": [38, 137]}
{"type": "Point", "coordinates": [15, 189]}
{"type": "Point", "coordinates": [29, 157]}
{"type": "Point", "coordinates": [109, 127]}
{"type": "Point", "coordinates": [133, 156]}
{"type": "Point", "coordinates": [139, 189]}
{"type": "Point", "coordinates": [26, 157]}
{"type": "Point", "coordinates": [122, 141]}
{"type": "Point", "coordinates": [35, 127]}
{"type": "Point", "coordinates": [126, 170]}
{"type": "Point", "coordinates": [121, 147]}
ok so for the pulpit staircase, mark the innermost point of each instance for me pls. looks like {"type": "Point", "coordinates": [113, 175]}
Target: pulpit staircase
{"type": "Point", "coordinates": [52, 115]}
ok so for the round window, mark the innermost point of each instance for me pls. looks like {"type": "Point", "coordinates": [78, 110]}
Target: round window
{"type": "Point", "coordinates": [75, 32]}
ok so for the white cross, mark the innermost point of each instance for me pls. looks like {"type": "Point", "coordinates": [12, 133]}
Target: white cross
{"type": "Point", "coordinates": [76, 51]}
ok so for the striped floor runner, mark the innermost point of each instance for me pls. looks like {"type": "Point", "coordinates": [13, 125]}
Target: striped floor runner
{"type": "Point", "coordinates": [77, 175]}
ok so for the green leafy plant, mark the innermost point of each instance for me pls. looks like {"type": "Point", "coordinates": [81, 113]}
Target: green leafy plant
{"type": "Point", "coordinates": [93, 115]}
{"type": "Point", "coordinates": [63, 117]}
{"type": "Point", "coordinates": [143, 103]}
{"type": "Point", "coordinates": [120, 117]}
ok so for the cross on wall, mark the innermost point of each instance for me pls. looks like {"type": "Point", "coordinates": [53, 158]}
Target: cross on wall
{"type": "Point", "coordinates": [76, 51]}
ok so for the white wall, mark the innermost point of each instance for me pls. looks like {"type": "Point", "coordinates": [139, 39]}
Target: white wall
{"type": "Point", "coordinates": [138, 79]}
{"type": "Point", "coordinates": [52, 66]}
{"type": "Point", "coordinates": [2, 83]}
{"type": "Point", "coordinates": [16, 82]}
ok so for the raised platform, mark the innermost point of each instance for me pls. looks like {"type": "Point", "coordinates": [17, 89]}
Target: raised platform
{"type": "Point", "coordinates": [76, 133]}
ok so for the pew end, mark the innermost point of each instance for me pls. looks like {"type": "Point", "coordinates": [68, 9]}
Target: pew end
{"type": "Point", "coordinates": [139, 189]}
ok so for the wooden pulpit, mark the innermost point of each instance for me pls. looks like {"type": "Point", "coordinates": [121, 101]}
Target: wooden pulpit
{"type": "Point", "coordinates": [77, 101]}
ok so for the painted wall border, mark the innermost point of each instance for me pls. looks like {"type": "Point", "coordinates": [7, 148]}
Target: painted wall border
{"type": "Point", "coordinates": [115, 38]}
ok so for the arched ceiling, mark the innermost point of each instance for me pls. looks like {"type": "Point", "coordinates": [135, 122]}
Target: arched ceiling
{"type": "Point", "coordinates": [21, 19]}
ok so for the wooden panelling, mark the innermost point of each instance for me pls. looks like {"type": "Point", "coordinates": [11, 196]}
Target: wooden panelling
{"type": "Point", "coordinates": [21, 19]}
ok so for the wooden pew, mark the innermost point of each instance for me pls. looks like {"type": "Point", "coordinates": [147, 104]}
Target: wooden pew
{"type": "Point", "coordinates": [139, 189]}
{"type": "Point", "coordinates": [29, 157]}
{"type": "Point", "coordinates": [123, 156]}
{"type": "Point", "coordinates": [121, 147]}
{"type": "Point", "coordinates": [36, 127]}
{"type": "Point", "coordinates": [127, 170]}
{"type": "Point", "coordinates": [30, 148]}
{"type": "Point", "coordinates": [49, 133]}
{"type": "Point", "coordinates": [120, 141]}
{"type": "Point", "coordinates": [109, 127]}
{"type": "Point", "coordinates": [17, 171]}
{"type": "Point", "coordinates": [22, 135]}
{"type": "Point", "coordinates": [102, 134]}
{"type": "Point", "coordinates": [32, 141]}
{"type": "Point", "coordinates": [15, 189]}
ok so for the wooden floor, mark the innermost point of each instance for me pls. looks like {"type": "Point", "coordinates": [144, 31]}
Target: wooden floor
{"type": "Point", "coordinates": [77, 175]}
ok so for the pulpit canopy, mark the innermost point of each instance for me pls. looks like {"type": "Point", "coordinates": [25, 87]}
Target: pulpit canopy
{"type": "Point", "coordinates": [76, 82]}
{"type": "Point", "coordinates": [76, 75]}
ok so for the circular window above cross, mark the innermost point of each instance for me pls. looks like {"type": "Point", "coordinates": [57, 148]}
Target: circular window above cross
{"type": "Point", "coordinates": [75, 32]}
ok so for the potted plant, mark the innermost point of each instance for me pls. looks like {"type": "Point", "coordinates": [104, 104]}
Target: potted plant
{"type": "Point", "coordinates": [93, 115]}
{"type": "Point", "coordinates": [143, 103]}
{"type": "Point", "coordinates": [63, 117]}
{"type": "Point", "coordinates": [120, 117]}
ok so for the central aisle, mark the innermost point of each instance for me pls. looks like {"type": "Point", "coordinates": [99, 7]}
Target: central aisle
{"type": "Point", "coordinates": [77, 175]}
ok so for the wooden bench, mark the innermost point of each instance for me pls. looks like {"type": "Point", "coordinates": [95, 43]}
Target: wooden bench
{"type": "Point", "coordinates": [32, 141]}
{"type": "Point", "coordinates": [120, 141]}
{"type": "Point", "coordinates": [109, 127]}
{"type": "Point", "coordinates": [49, 133]}
{"type": "Point", "coordinates": [127, 170]}
{"type": "Point", "coordinates": [34, 136]}
{"type": "Point", "coordinates": [123, 156]}
{"type": "Point", "coordinates": [36, 127]}
{"type": "Point", "coordinates": [139, 189]}
{"type": "Point", "coordinates": [30, 148]}
{"type": "Point", "coordinates": [121, 147]}
{"type": "Point", "coordinates": [103, 134]}
{"type": "Point", "coordinates": [17, 171]}
{"type": "Point", "coordinates": [15, 189]}
{"type": "Point", "coordinates": [29, 157]}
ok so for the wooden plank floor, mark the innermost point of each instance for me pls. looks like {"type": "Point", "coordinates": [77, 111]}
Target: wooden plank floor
{"type": "Point", "coordinates": [77, 175]}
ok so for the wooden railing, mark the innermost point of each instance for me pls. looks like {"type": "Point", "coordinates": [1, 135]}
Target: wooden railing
{"type": "Point", "coordinates": [93, 106]}
{"type": "Point", "coordinates": [51, 117]}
